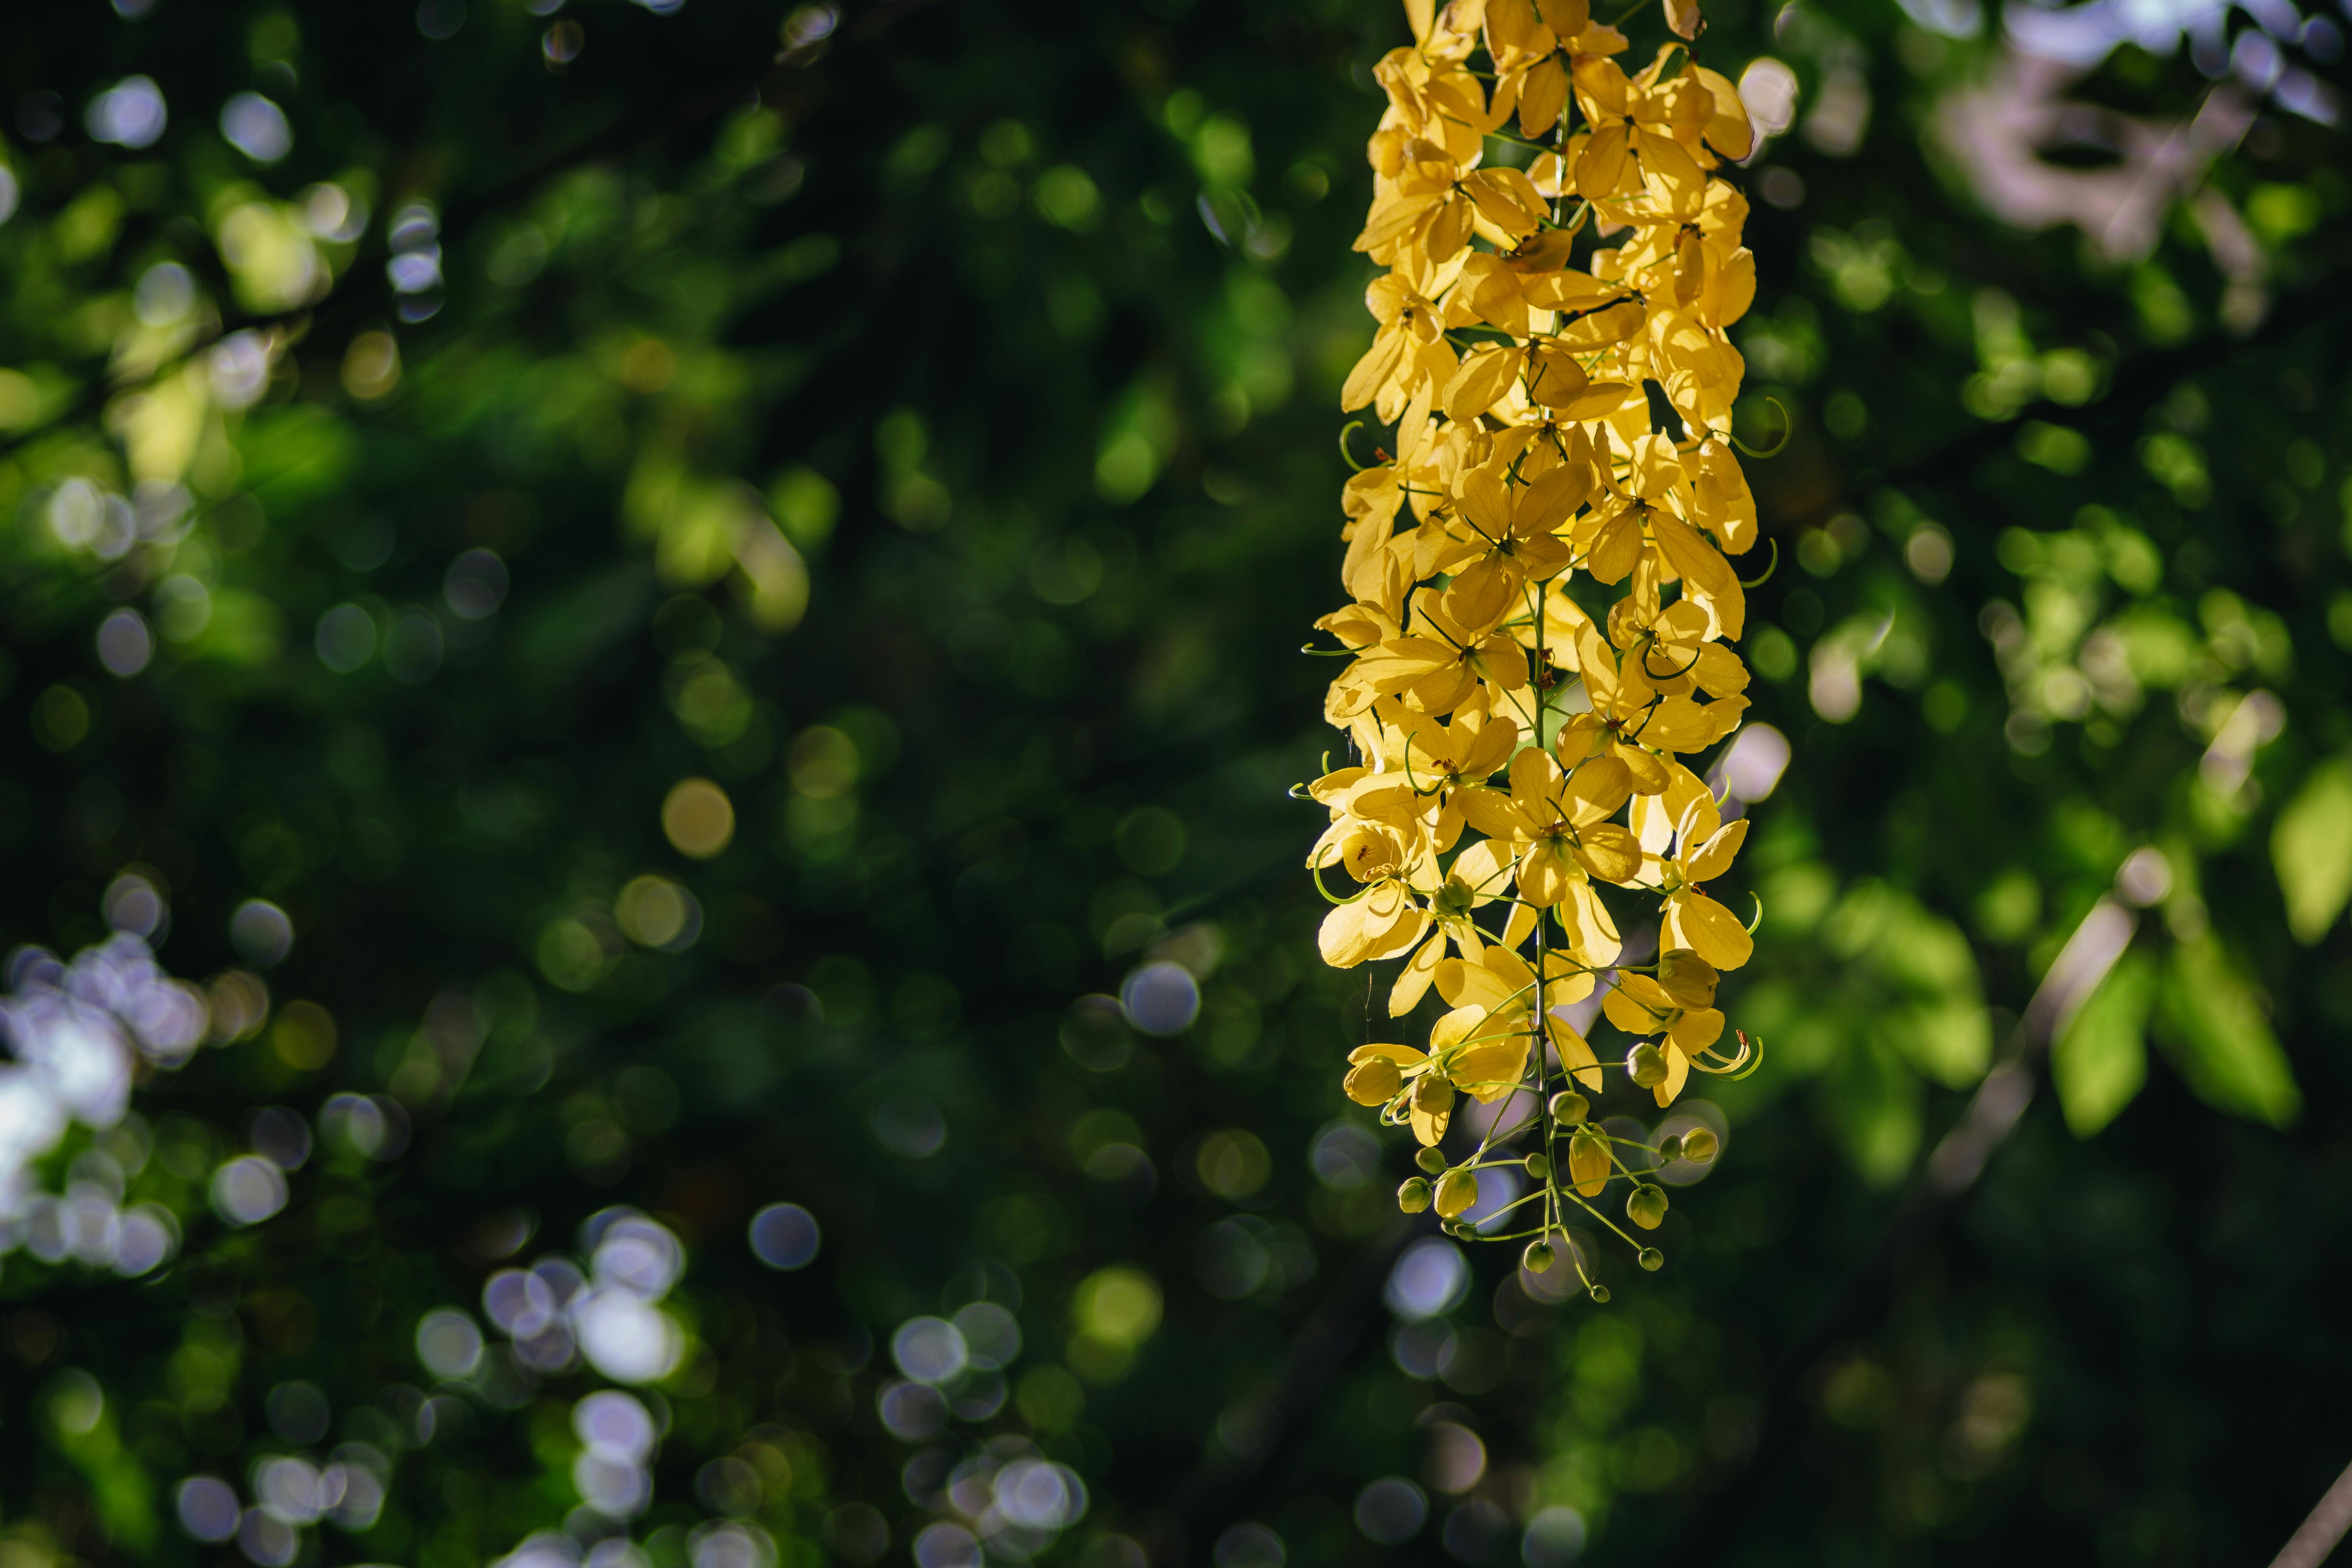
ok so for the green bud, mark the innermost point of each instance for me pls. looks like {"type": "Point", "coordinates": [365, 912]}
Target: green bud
{"type": "Point", "coordinates": [1699, 1146]}
{"type": "Point", "coordinates": [1647, 1206]}
{"type": "Point", "coordinates": [1670, 1149]}
{"type": "Point", "coordinates": [1414, 1196]}
{"type": "Point", "coordinates": [1646, 1065]}
{"type": "Point", "coordinates": [1569, 1107]}
{"type": "Point", "coordinates": [1651, 1259]}
{"type": "Point", "coordinates": [1539, 1166]}
{"type": "Point", "coordinates": [1537, 1258]}
{"type": "Point", "coordinates": [1429, 1159]}
{"type": "Point", "coordinates": [1600, 1294]}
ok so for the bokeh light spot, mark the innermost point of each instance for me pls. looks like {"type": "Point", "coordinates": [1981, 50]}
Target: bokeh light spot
{"type": "Point", "coordinates": [1233, 1164]}
{"type": "Point", "coordinates": [124, 643]}
{"type": "Point", "coordinates": [1120, 1304]}
{"type": "Point", "coordinates": [208, 1508]}
{"type": "Point", "coordinates": [346, 638]}
{"type": "Point", "coordinates": [248, 1190]}
{"type": "Point", "coordinates": [1554, 1539]}
{"type": "Point", "coordinates": [784, 1235]}
{"type": "Point", "coordinates": [257, 128]}
{"type": "Point", "coordinates": [475, 585]}
{"type": "Point", "coordinates": [260, 932]}
{"type": "Point", "coordinates": [1390, 1511]}
{"type": "Point", "coordinates": [448, 1345]}
{"type": "Point", "coordinates": [698, 818]}
{"type": "Point", "coordinates": [1431, 1277]}
{"type": "Point", "coordinates": [928, 1350]}
{"type": "Point", "coordinates": [1160, 998]}
{"type": "Point", "coordinates": [654, 912]}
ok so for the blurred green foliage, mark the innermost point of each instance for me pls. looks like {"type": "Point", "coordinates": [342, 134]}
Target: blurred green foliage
{"type": "Point", "coordinates": [922, 437]}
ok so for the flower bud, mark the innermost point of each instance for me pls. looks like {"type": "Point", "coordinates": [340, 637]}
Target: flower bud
{"type": "Point", "coordinates": [1647, 1206]}
{"type": "Point", "coordinates": [1699, 1146]}
{"type": "Point", "coordinates": [1539, 1166]}
{"type": "Point", "coordinates": [1429, 1159]}
{"type": "Point", "coordinates": [1570, 1108]}
{"type": "Point", "coordinates": [1456, 1191]}
{"type": "Point", "coordinates": [1374, 1082]}
{"type": "Point", "coordinates": [1537, 1258]}
{"type": "Point", "coordinates": [1670, 1148]}
{"type": "Point", "coordinates": [1686, 977]}
{"type": "Point", "coordinates": [1651, 1259]}
{"type": "Point", "coordinates": [1600, 1294]}
{"type": "Point", "coordinates": [1414, 1196]}
{"type": "Point", "coordinates": [1646, 1065]}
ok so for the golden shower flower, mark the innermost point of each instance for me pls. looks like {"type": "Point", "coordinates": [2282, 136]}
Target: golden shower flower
{"type": "Point", "coordinates": [1543, 606]}
{"type": "Point", "coordinates": [1379, 922]}
{"type": "Point", "coordinates": [1560, 820]}
{"type": "Point", "coordinates": [1640, 1005]}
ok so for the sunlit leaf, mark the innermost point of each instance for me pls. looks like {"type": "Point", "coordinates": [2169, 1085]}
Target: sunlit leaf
{"type": "Point", "coordinates": [2099, 1063]}
{"type": "Point", "coordinates": [2311, 848]}
{"type": "Point", "coordinates": [2218, 1036]}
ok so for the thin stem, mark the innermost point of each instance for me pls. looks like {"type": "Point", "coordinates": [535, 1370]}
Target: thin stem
{"type": "Point", "coordinates": [1604, 1219]}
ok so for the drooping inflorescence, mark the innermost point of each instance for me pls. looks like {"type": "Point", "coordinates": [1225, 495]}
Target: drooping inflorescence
{"type": "Point", "coordinates": [1542, 603]}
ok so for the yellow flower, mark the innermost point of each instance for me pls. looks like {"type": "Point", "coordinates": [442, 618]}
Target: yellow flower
{"type": "Point", "coordinates": [1379, 922]}
{"type": "Point", "coordinates": [1543, 603]}
{"type": "Point", "coordinates": [1470, 749]}
{"type": "Point", "coordinates": [1511, 545]}
{"type": "Point", "coordinates": [1560, 822]}
{"type": "Point", "coordinates": [1640, 1005]}
{"type": "Point", "coordinates": [1478, 876]}
{"type": "Point", "coordinates": [1407, 351]}
{"type": "Point", "coordinates": [1619, 698]}
{"type": "Point", "coordinates": [1436, 667]}
{"type": "Point", "coordinates": [1670, 640]}
{"type": "Point", "coordinates": [1693, 920]}
{"type": "Point", "coordinates": [1481, 1053]}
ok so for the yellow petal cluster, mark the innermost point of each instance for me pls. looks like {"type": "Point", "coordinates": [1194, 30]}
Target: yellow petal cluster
{"type": "Point", "coordinates": [1537, 645]}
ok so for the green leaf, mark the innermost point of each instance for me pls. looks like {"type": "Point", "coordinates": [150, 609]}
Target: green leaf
{"type": "Point", "coordinates": [1929, 1003]}
{"type": "Point", "coordinates": [295, 455]}
{"type": "Point", "coordinates": [2099, 1063]}
{"type": "Point", "coordinates": [2312, 849]}
{"type": "Point", "coordinates": [244, 628]}
{"type": "Point", "coordinates": [2213, 1027]}
{"type": "Point", "coordinates": [1876, 1101]}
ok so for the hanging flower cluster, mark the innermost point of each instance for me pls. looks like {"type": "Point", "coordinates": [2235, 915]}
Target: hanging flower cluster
{"type": "Point", "coordinates": [1542, 603]}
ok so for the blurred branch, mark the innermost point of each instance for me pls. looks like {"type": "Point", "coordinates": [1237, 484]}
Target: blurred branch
{"type": "Point", "coordinates": [1937, 1193]}
{"type": "Point", "coordinates": [1221, 1485]}
{"type": "Point", "coordinates": [2309, 1547]}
